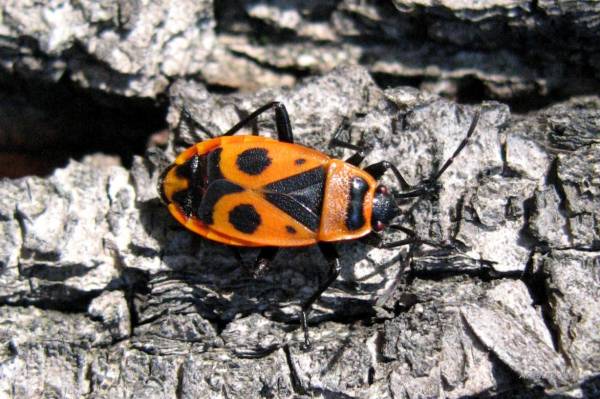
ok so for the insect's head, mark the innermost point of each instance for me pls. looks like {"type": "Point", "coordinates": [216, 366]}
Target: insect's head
{"type": "Point", "coordinates": [384, 208]}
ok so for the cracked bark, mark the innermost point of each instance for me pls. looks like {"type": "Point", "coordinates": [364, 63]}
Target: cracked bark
{"type": "Point", "coordinates": [518, 51]}
{"type": "Point", "coordinates": [128, 302]}
{"type": "Point", "coordinates": [102, 294]}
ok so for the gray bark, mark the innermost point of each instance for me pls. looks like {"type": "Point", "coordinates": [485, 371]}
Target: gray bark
{"type": "Point", "coordinates": [106, 295]}
{"type": "Point", "coordinates": [510, 50]}
{"type": "Point", "coordinates": [103, 294]}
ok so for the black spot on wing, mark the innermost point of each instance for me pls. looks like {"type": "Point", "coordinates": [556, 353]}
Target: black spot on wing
{"type": "Point", "coordinates": [290, 229]}
{"type": "Point", "coordinates": [355, 218]}
{"type": "Point", "coordinates": [214, 192]}
{"type": "Point", "coordinates": [300, 161]}
{"type": "Point", "coordinates": [245, 218]}
{"type": "Point", "coordinates": [253, 161]}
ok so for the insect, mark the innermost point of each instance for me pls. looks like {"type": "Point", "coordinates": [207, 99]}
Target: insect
{"type": "Point", "coordinates": [253, 191]}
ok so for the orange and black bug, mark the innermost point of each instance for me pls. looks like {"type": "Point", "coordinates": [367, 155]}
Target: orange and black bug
{"type": "Point", "coordinates": [252, 191]}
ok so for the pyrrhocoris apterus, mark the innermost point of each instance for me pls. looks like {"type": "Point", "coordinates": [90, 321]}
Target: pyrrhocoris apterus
{"type": "Point", "coordinates": [252, 191]}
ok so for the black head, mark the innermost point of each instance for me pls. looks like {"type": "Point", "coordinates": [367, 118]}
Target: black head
{"type": "Point", "coordinates": [384, 208]}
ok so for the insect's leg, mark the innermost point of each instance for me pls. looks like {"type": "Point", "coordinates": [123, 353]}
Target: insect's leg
{"type": "Point", "coordinates": [378, 169]}
{"type": "Point", "coordinates": [360, 154]}
{"type": "Point", "coordinates": [333, 259]}
{"type": "Point", "coordinates": [243, 115]}
{"type": "Point", "coordinates": [375, 240]}
{"type": "Point", "coordinates": [282, 121]}
{"type": "Point", "coordinates": [263, 261]}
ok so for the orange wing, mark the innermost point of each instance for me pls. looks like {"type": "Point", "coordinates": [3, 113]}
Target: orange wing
{"type": "Point", "coordinates": [254, 161]}
{"type": "Point", "coordinates": [257, 165]}
{"type": "Point", "coordinates": [249, 219]}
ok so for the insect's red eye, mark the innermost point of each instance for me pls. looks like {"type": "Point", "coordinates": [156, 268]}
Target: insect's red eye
{"type": "Point", "coordinates": [382, 189]}
{"type": "Point", "coordinates": [379, 226]}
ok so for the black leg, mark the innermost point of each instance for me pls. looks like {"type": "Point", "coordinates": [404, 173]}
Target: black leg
{"type": "Point", "coordinates": [375, 240]}
{"type": "Point", "coordinates": [263, 261]}
{"type": "Point", "coordinates": [333, 259]}
{"type": "Point", "coordinates": [244, 115]}
{"type": "Point", "coordinates": [335, 141]}
{"type": "Point", "coordinates": [356, 158]}
{"type": "Point", "coordinates": [282, 121]}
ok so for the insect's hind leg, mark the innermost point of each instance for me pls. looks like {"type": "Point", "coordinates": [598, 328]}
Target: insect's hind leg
{"type": "Point", "coordinates": [282, 121]}
{"type": "Point", "coordinates": [333, 259]}
{"type": "Point", "coordinates": [263, 260]}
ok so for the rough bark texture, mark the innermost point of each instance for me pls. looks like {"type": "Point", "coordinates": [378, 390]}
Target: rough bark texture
{"type": "Point", "coordinates": [103, 294]}
{"type": "Point", "coordinates": [505, 49]}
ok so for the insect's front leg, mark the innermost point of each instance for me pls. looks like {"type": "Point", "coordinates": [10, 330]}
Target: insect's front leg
{"type": "Point", "coordinates": [378, 169]}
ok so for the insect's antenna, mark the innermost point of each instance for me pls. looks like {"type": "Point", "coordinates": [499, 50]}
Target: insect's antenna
{"type": "Point", "coordinates": [427, 185]}
{"type": "Point", "coordinates": [459, 148]}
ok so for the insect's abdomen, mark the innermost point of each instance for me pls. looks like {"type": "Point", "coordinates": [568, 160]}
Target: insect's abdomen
{"type": "Point", "coordinates": [348, 199]}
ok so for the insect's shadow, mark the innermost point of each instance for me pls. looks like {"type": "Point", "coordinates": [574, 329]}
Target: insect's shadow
{"type": "Point", "coordinates": [197, 273]}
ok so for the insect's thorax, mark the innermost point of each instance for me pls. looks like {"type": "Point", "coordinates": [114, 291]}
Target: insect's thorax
{"type": "Point", "coordinates": [348, 197]}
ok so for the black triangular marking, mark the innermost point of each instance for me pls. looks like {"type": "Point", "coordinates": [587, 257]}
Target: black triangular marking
{"type": "Point", "coordinates": [311, 197]}
{"type": "Point", "coordinates": [295, 209]}
{"type": "Point", "coordinates": [300, 196]}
